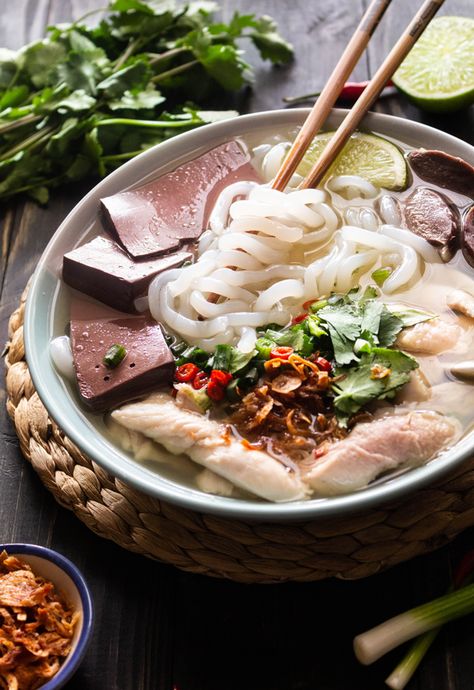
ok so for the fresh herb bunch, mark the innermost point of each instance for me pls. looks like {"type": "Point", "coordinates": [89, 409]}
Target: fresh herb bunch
{"type": "Point", "coordinates": [84, 100]}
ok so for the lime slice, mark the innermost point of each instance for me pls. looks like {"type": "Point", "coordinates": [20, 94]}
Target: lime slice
{"type": "Point", "coordinates": [438, 73]}
{"type": "Point", "coordinates": [367, 155]}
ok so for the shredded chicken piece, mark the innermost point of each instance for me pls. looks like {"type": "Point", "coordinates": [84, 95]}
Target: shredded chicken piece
{"type": "Point", "coordinates": [462, 302]}
{"type": "Point", "coordinates": [36, 627]}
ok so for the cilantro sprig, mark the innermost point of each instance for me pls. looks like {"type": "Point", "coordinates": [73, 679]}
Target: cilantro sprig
{"type": "Point", "coordinates": [83, 100]}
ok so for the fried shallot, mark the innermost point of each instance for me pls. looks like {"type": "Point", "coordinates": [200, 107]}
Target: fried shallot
{"type": "Point", "coordinates": [36, 627]}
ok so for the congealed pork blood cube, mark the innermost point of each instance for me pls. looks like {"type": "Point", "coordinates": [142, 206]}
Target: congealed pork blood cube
{"type": "Point", "coordinates": [147, 364]}
{"type": "Point", "coordinates": [173, 209]}
{"type": "Point", "coordinates": [430, 216]}
{"type": "Point", "coordinates": [101, 269]}
{"type": "Point", "coordinates": [467, 240]}
{"type": "Point", "coordinates": [444, 170]}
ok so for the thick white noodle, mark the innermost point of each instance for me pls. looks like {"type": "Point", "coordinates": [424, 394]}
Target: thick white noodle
{"type": "Point", "coordinates": [424, 248]}
{"type": "Point", "coordinates": [389, 210]}
{"type": "Point", "coordinates": [352, 186]}
{"type": "Point", "coordinates": [256, 262]}
{"type": "Point", "coordinates": [61, 353]}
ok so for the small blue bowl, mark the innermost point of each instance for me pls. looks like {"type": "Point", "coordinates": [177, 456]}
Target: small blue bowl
{"type": "Point", "coordinates": [71, 585]}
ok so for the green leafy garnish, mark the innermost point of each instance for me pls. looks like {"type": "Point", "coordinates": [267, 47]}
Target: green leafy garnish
{"type": "Point", "coordinates": [83, 100]}
{"type": "Point", "coordinates": [408, 315]}
{"type": "Point", "coordinates": [360, 386]}
{"type": "Point", "coordinates": [229, 358]}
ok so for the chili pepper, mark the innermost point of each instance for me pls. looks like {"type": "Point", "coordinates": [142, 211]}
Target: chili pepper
{"type": "Point", "coordinates": [350, 92]}
{"type": "Point", "coordinates": [307, 304]}
{"type": "Point", "coordinates": [323, 364]}
{"type": "Point", "coordinates": [464, 570]}
{"type": "Point", "coordinates": [281, 352]}
{"type": "Point", "coordinates": [200, 380]}
{"type": "Point", "coordinates": [186, 372]}
{"type": "Point", "coordinates": [215, 390]}
{"type": "Point", "coordinates": [220, 377]}
{"type": "Point", "coordinates": [299, 318]}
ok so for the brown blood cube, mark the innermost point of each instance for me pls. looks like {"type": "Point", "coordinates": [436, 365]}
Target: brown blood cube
{"type": "Point", "coordinates": [430, 216]}
{"type": "Point", "coordinates": [174, 208]}
{"type": "Point", "coordinates": [104, 271]}
{"type": "Point", "coordinates": [444, 170]}
{"type": "Point", "coordinates": [147, 364]}
{"type": "Point", "coordinates": [467, 240]}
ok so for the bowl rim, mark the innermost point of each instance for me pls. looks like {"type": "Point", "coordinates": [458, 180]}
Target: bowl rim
{"type": "Point", "coordinates": [75, 658]}
{"type": "Point", "coordinates": [137, 475]}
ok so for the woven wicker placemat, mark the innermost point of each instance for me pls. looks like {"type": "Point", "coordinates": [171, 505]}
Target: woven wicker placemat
{"type": "Point", "coordinates": [350, 548]}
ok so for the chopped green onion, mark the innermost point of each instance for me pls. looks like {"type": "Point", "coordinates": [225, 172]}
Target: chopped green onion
{"type": "Point", "coordinates": [319, 305]}
{"type": "Point", "coordinates": [374, 643]}
{"type": "Point", "coordinates": [380, 275]}
{"type": "Point", "coordinates": [362, 345]}
{"type": "Point", "coordinates": [264, 346]}
{"type": "Point", "coordinates": [114, 355]}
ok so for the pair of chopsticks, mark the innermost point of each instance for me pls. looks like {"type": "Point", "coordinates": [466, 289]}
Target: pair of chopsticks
{"type": "Point", "coordinates": [334, 85]}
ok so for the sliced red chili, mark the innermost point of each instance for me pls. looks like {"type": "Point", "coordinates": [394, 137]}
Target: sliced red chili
{"type": "Point", "coordinates": [299, 318]}
{"type": "Point", "coordinates": [306, 305]}
{"type": "Point", "coordinates": [215, 390]}
{"type": "Point", "coordinates": [221, 377]}
{"type": "Point", "coordinates": [186, 372]}
{"type": "Point", "coordinates": [323, 364]}
{"type": "Point", "coordinates": [464, 570]}
{"type": "Point", "coordinates": [281, 352]}
{"type": "Point", "coordinates": [200, 380]}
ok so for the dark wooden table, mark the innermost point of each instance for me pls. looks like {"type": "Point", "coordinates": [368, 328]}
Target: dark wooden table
{"type": "Point", "coordinates": [159, 628]}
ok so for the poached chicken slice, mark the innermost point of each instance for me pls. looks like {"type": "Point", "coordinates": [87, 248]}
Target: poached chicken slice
{"type": "Point", "coordinates": [206, 442]}
{"type": "Point", "coordinates": [405, 440]}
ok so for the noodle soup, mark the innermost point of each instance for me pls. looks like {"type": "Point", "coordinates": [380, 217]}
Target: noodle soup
{"type": "Point", "coordinates": [319, 342]}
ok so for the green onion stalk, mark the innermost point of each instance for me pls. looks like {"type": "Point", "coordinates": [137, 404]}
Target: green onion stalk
{"type": "Point", "coordinates": [374, 643]}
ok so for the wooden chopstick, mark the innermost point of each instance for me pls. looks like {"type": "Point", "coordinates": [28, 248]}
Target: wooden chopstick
{"type": "Point", "coordinates": [400, 50]}
{"type": "Point", "coordinates": [331, 91]}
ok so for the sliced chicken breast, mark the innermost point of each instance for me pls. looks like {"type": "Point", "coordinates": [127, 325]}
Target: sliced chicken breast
{"type": "Point", "coordinates": [461, 302]}
{"type": "Point", "coordinates": [380, 446]}
{"type": "Point", "coordinates": [431, 337]}
{"type": "Point", "coordinates": [205, 442]}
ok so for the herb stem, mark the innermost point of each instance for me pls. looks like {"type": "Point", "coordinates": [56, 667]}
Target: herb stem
{"type": "Point", "coordinates": [29, 143]}
{"type": "Point", "coordinates": [174, 71]}
{"type": "Point", "coordinates": [159, 57]}
{"type": "Point", "coordinates": [120, 156]}
{"type": "Point", "coordinates": [25, 120]}
{"type": "Point", "coordinates": [132, 46]}
{"type": "Point", "coordinates": [89, 14]}
{"type": "Point", "coordinates": [157, 124]}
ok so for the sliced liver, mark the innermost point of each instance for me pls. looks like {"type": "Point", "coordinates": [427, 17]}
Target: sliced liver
{"type": "Point", "coordinates": [467, 239]}
{"type": "Point", "coordinates": [429, 215]}
{"type": "Point", "coordinates": [444, 170]}
{"type": "Point", "coordinates": [148, 362]}
{"type": "Point", "coordinates": [173, 209]}
{"type": "Point", "coordinates": [104, 271]}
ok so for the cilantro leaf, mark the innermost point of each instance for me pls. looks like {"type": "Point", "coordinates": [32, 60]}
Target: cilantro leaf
{"type": "Point", "coordinates": [359, 387]}
{"type": "Point", "coordinates": [390, 326]}
{"type": "Point", "coordinates": [268, 41]}
{"type": "Point", "coordinates": [408, 315]}
{"type": "Point", "coordinates": [344, 325]}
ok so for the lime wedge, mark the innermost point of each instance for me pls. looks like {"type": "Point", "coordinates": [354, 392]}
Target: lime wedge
{"type": "Point", "coordinates": [367, 155]}
{"type": "Point", "coordinates": [438, 73]}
